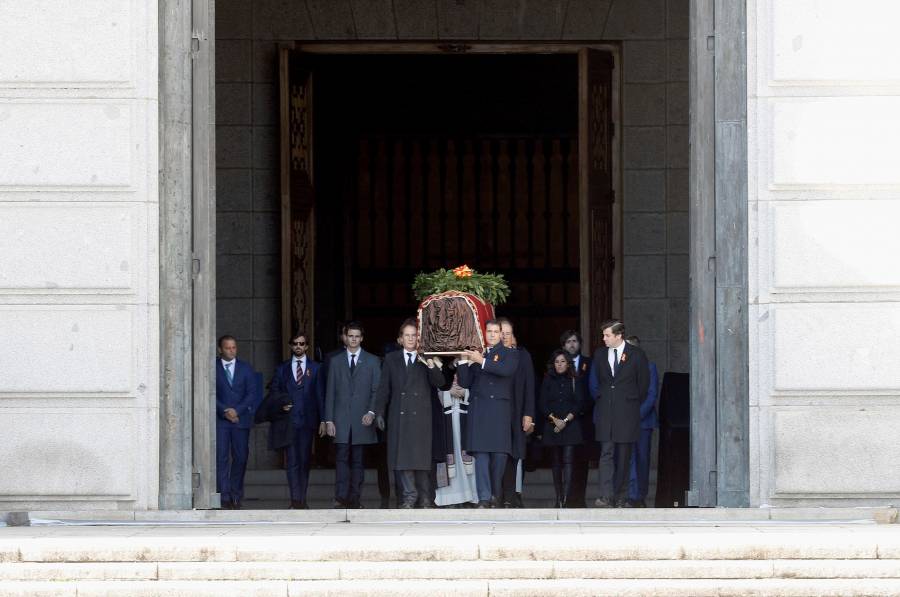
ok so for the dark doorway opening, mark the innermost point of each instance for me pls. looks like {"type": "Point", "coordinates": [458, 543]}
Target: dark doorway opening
{"type": "Point", "coordinates": [428, 161]}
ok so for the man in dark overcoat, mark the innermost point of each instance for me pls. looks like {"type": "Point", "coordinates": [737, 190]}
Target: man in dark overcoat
{"type": "Point", "coordinates": [570, 341]}
{"type": "Point", "coordinates": [490, 380]}
{"type": "Point", "coordinates": [620, 377]}
{"type": "Point", "coordinates": [406, 397]}
{"type": "Point", "coordinates": [353, 379]}
{"type": "Point", "coordinates": [522, 423]}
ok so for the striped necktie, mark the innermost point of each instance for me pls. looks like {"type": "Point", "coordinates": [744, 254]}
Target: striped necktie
{"type": "Point", "coordinates": [228, 373]}
{"type": "Point", "coordinates": [299, 373]}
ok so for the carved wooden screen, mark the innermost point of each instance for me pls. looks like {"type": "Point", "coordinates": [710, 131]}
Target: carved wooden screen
{"type": "Point", "coordinates": [595, 188]}
{"type": "Point", "coordinates": [297, 195]}
{"type": "Point", "coordinates": [503, 203]}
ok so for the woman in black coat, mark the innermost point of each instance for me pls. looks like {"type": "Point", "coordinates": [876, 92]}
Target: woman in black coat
{"type": "Point", "coordinates": [563, 400]}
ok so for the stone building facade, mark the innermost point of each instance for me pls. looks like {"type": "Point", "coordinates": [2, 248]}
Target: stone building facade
{"type": "Point", "coordinates": [81, 392]}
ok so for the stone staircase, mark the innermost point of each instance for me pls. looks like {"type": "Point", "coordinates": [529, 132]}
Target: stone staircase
{"type": "Point", "coordinates": [744, 553]}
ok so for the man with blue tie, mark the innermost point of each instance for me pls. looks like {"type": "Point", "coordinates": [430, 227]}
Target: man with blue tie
{"type": "Point", "coordinates": [235, 407]}
{"type": "Point", "coordinates": [300, 379]}
{"type": "Point", "coordinates": [490, 379]}
{"type": "Point", "coordinates": [618, 383]}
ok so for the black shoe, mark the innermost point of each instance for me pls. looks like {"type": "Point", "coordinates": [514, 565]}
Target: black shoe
{"type": "Point", "coordinates": [236, 506]}
{"type": "Point", "coordinates": [338, 504]}
{"type": "Point", "coordinates": [355, 505]}
{"type": "Point", "coordinates": [496, 502]}
{"type": "Point", "coordinates": [298, 505]}
{"type": "Point", "coordinates": [636, 504]}
{"type": "Point", "coordinates": [226, 505]}
{"type": "Point", "coordinates": [602, 502]}
{"type": "Point", "coordinates": [483, 504]}
{"type": "Point", "coordinates": [517, 501]}
{"type": "Point", "coordinates": [407, 506]}
{"type": "Point", "coordinates": [622, 503]}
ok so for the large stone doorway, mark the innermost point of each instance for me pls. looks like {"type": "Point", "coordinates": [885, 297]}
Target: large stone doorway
{"type": "Point", "coordinates": [401, 160]}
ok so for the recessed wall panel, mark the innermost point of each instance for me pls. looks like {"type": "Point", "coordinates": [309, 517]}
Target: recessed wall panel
{"type": "Point", "coordinates": [834, 245]}
{"type": "Point", "coordinates": [820, 142]}
{"type": "Point", "coordinates": [57, 41]}
{"type": "Point", "coordinates": [845, 347]}
{"type": "Point", "coordinates": [49, 454]}
{"type": "Point", "coordinates": [54, 248]}
{"type": "Point", "coordinates": [54, 144]}
{"type": "Point", "coordinates": [66, 350]}
{"type": "Point", "coordinates": [837, 450]}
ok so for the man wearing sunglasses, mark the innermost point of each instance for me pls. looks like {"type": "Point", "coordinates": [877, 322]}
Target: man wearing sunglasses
{"type": "Point", "coordinates": [298, 378]}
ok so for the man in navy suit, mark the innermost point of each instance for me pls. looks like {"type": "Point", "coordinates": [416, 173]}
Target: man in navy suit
{"type": "Point", "coordinates": [236, 403]}
{"type": "Point", "coordinates": [300, 378]}
{"type": "Point", "coordinates": [639, 478]}
{"type": "Point", "coordinates": [620, 377]}
{"type": "Point", "coordinates": [490, 379]}
{"type": "Point", "coordinates": [570, 341]}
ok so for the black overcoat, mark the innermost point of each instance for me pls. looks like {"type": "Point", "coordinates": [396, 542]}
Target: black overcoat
{"type": "Point", "coordinates": [617, 399]}
{"type": "Point", "coordinates": [405, 398]}
{"type": "Point", "coordinates": [523, 401]}
{"type": "Point", "coordinates": [491, 391]}
{"type": "Point", "coordinates": [561, 395]}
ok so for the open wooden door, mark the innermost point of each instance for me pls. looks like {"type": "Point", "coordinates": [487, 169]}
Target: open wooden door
{"type": "Point", "coordinates": [595, 189]}
{"type": "Point", "coordinates": [297, 196]}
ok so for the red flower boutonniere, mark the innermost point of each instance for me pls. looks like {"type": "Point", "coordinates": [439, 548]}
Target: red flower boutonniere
{"type": "Point", "coordinates": [584, 366]}
{"type": "Point", "coordinates": [309, 373]}
{"type": "Point", "coordinates": [496, 358]}
{"type": "Point", "coordinates": [624, 357]}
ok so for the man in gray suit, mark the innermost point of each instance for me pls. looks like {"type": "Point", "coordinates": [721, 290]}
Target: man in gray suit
{"type": "Point", "coordinates": [353, 378]}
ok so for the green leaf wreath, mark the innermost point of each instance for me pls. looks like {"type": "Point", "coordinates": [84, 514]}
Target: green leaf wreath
{"type": "Point", "coordinates": [491, 288]}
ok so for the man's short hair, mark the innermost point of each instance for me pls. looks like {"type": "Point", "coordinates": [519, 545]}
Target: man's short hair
{"type": "Point", "coordinates": [409, 321]}
{"type": "Point", "coordinates": [298, 334]}
{"type": "Point", "coordinates": [614, 325]}
{"type": "Point", "coordinates": [505, 321]}
{"type": "Point", "coordinates": [226, 337]}
{"type": "Point", "coordinates": [564, 337]}
{"type": "Point", "coordinates": [354, 325]}
{"type": "Point", "coordinates": [495, 322]}
{"type": "Point", "coordinates": [633, 340]}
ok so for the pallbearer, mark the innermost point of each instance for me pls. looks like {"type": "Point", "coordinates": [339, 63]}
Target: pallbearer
{"type": "Point", "coordinates": [406, 396]}
{"type": "Point", "coordinates": [489, 377]}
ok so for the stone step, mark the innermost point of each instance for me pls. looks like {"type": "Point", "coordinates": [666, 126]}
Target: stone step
{"type": "Point", "coordinates": [450, 570]}
{"type": "Point", "coordinates": [462, 588]}
{"type": "Point", "coordinates": [453, 542]}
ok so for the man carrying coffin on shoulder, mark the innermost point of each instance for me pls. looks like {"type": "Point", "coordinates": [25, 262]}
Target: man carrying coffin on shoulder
{"type": "Point", "coordinates": [405, 397]}
{"type": "Point", "coordinates": [489, 377]}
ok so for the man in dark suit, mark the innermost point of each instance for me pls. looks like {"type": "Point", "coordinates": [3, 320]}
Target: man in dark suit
{"type": "Point", "coordinates": [353, 379]}
{"type": "Point", "coordinates": [620, 377]}
{"type": "Point", "coordinates": [300, 379]}
{"type": "Point", "coordinates": [406, 397]}
{"type": "Point", "coordinates": [639, 476]}
{"type": "Point", "coordinates": [490, 380]}
{"type": "Point", "coordinates": [236, 404]}
{"type": "Point", "coordinates": [570, 341]}
{"type": "Point", "coordinates": [522, 423]}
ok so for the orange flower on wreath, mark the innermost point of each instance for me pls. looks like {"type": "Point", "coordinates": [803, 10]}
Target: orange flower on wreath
{"type": "Point", "coordinates": [463, 271]}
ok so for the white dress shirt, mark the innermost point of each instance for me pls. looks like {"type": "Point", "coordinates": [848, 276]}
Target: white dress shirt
{"type": "Point", "coordinates": [406, 355]}
{"type": "Point", "coordinates": [230, 363]}
{"type": "Point", "coordinates": [610, 355]}
{"type": "Point", "coordinates": [356, 354]}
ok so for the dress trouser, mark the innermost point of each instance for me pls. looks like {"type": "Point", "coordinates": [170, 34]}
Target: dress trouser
{"type": "Point", "coordinates": [615, 464]}
{"type": "Point", "coordinates": [299, 454]}
{"type": "Point", "coordinates": [415, 487]}
{"type": "Point", "coordinates": [489, 467]}
{"type": "Point", "coordinates": [639, 479]}
{"type": "Point", "coordinates": [232, 443]}
{"type": "Point", "coordinates": [349, 471]}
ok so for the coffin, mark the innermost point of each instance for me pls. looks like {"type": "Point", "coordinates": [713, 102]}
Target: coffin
{"type": "Point", "coordinates": [452, 321]}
